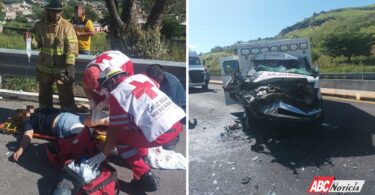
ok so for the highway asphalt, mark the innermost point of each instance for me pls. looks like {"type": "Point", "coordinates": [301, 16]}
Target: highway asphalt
{"type": "Point", "coordinates": [34, 175]}
{"type": "Point", "coordinates": [240, 162]}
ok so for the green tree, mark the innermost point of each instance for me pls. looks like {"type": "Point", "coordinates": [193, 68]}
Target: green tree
{"type": "Point", "coordinates": [217, 49]}
{"type": "Point", "coordinates": [171, 27]}
{"type": "Point", "coordinates": [125, 34]}
{"type": "Point", "coordinates": [21, 19]}
{"type": "Point", "coordinates": [348, 44]}
{"type": "Point", "coordinates": [2, 14]}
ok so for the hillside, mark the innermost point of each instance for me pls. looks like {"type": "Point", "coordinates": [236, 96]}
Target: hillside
{"type": "Point", "coordinates": [317, 27]}
{"type": "Point", "coordinates": [341, 20]}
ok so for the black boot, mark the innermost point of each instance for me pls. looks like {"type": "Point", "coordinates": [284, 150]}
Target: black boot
{"type": "Point", "coordinates": [147, 183]}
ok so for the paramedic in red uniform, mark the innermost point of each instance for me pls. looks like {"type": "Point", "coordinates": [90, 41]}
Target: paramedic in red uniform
{"type": "Point", "coordinates": [140, 116]}
{"type": "Point", "coordinates": [91, 75]}
{"type": "Point", "coordinates": [96, 66]}
{"type": "Point", "coordinates": [91, 86]}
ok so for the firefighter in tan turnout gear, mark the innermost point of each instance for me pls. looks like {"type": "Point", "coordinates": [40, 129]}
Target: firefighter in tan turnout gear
{"type": "Point", "coordinates": [58, 45]}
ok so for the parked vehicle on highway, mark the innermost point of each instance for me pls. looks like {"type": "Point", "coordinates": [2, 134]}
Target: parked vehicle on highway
{"type": "Point", "coordinates": [198, 74]}
{"type": "Point", "coordinates": [274, 80]}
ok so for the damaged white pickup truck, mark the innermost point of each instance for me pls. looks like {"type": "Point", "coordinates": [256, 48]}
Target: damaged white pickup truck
{"type": "Point", "coordinates": [275, 81]}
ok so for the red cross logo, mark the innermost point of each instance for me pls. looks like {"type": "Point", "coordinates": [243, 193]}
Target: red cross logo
{"type": "Point", "coordinates": [143, 88]}
{"type": "Point", "coordinates": [102, 57]}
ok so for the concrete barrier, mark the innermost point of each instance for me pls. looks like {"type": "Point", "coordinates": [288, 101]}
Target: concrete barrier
{"type": "Point", "coordinates": [362, 85]}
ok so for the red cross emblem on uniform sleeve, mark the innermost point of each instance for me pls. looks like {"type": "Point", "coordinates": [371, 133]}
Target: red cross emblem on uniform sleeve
{"type": "Point", "coordinates": [143, 88]}
{"type": "Point", "coordinates": [102, 57]}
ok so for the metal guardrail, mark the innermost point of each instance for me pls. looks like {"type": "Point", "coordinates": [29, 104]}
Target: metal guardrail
{"type": "Point", "coordinates": [14, 62]}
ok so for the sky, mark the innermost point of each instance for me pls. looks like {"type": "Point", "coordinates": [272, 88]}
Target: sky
{"type": "Point", "coordinates": [223, 22]}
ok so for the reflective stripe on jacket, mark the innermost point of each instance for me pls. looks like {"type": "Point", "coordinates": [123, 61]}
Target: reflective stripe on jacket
{"type": "Point", "coordinates": [58, 45]}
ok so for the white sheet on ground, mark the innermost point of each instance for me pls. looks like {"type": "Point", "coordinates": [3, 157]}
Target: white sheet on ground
{"type": "Point", "coordinates": [166, 159]}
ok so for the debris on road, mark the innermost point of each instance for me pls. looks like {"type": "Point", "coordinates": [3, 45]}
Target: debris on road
{"type": "Point", "coordinates": [235, 126]}
{"type": "Point", "coordinates": [255, 158]}
{"type": "Point", "coordinates": [193, 124]}
{"type": "Point", "coordinates": [214, 182]}
{"type": "Point", "coordinates": [273, 192]}
{"type": "Point", "coordinates": [245, 180]}
{"type": "Point", "coordinates": [233, 132]}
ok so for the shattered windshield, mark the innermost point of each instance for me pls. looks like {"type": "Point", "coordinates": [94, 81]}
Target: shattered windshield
{"type": "Point", "coordinates": [194, 61]}
{"type": "Point", "coordinates": [300, 66]}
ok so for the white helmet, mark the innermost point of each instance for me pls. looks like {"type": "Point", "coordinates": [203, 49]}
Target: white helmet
{"type": "Point", "coordinates": [109, 73]}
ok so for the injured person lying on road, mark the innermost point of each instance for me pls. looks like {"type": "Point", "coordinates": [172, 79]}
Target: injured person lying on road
{"type": "Point", "coordinates": [50, 122]}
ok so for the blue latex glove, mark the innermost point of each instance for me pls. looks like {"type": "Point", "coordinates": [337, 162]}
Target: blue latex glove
{"type": "Point", "coordinates": [95, 161]}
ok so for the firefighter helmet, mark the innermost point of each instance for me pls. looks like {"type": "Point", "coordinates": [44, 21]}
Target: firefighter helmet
{"type": "Point", "coordinates": [54, 5]}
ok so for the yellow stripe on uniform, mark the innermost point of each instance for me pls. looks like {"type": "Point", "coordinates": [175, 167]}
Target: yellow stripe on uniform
{"type": "Point", "coordinates": [59, 51]}
{"type": "Point", "coordinates": [51, 52]}
{"type": "Point", "coordinates": [72, 39]}
{"type": "Point", "coordinates": [70, 58]}
{"type": "Point", "coordinates": [47, 50]}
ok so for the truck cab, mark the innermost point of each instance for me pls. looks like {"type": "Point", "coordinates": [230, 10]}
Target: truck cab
{"type": "Point", "coordinates": [198, 75]}
{"type": "Point", "coordinates": [274, 80]}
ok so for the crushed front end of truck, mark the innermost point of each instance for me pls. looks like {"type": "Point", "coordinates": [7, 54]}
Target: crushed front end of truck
{"type": "Point", "coordinates": [280, 88]}
{"type": "Point", "coordinates": [284, 99]}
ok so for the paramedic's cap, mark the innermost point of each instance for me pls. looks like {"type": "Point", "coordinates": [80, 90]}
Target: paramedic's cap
{"type": "Point", "coordinates": [54, 5]}
{"type": "Point", "coordinates": [108, 73]}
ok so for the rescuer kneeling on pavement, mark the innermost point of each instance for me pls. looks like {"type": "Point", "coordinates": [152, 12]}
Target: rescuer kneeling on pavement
{"type": "Point", "coordinates": [140, 116]}
{"type": "Point", "coordinates": [91, 85]}
{"type": "Point", "coordinates": [58, 45]}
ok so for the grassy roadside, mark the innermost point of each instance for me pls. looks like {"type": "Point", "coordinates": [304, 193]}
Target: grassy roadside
{"type": "Point", "coordinates": [11, 41]}
{"type": "Point", "coordinates": [31, 85]}
{"type": "Point", "coordinates": [346, 69]}
{"type": "Point", "coordinates": [20, 84]}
